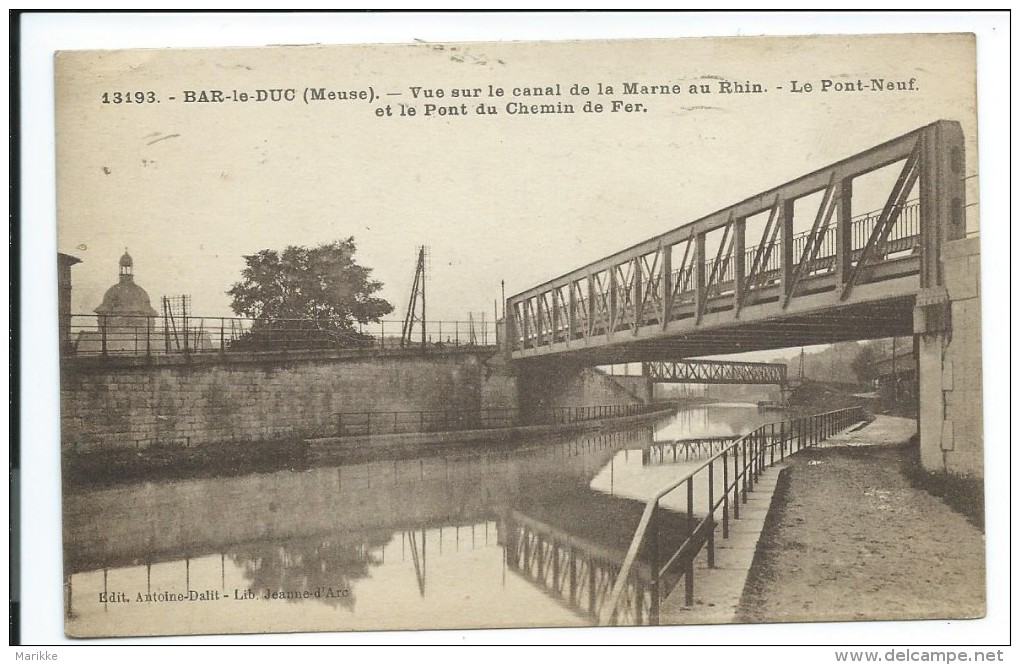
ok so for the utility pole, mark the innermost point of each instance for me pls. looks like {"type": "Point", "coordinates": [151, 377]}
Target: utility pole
{"type": "Point", "coordinates": [415, 304]}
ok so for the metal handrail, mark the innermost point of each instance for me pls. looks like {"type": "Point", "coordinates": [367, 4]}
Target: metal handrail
{"type": "Point", "coordinates": [821, 427]}
{"type": "Point", "coordinates": [141, 335]}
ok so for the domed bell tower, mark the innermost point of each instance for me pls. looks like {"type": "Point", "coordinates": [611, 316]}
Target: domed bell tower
{"type": "Point", "coordinates": [126, 317]}
{"type": "Point", "coordinates": [126, 264]}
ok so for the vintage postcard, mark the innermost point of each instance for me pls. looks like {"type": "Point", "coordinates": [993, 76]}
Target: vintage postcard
{"type": "Point", "coordinates": [527, 334]}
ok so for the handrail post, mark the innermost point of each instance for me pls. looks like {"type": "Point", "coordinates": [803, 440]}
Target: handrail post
{"type": "Point", "coordinates": [711, 514]}
{"type": "Point", "coordinates": [772, 444]}
{"type": "Point", "coordinates": [654, 586]}
{"type": "Point", "coordinates": [754, 461]}
{"type": "Point", "coordinates": [756, 450]}
{"type": "Point", "coordinates": [736, 481]}
{"type": "Point", "coordinates": [726, 495]}
{"type": "Point", "coordinates": [759, 452]}
{"type": "Point", "coordinates": [103, 334]}
{"type": "Point", "coordinates": [689, 572]}
{"type": "Point", "coordinates": [745, 469]}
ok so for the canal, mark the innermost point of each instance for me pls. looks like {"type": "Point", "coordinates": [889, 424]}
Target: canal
{"type": "Point", "coordinates": [529, 535]}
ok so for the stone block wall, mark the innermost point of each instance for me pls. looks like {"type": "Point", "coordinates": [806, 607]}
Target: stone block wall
{"type": "Point", "coordinates": [551, 384]}
{"type": "Point", "coordinates": [499, 384]}
{"type": "Point", "coordinates": [640, 387]}
{"type": "Point", "coordinates": [125, 403]}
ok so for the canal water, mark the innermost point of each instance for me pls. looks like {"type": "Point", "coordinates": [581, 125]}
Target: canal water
{"type": "Point", "coordinates": [529, 535]}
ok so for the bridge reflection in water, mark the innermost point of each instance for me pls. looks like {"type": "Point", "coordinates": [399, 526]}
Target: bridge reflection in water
{"type": "Point", "coordinates": [533, 535]}
{"type": "Point", "coordinates": [578, 560]}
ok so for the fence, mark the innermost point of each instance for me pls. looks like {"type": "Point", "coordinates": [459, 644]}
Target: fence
{"type": "Point", "coordinates": [104, 335]}
{"type": "Point", "coordinates": [367, 423]}
{"type": "Point", "coordinates": [739, 464]}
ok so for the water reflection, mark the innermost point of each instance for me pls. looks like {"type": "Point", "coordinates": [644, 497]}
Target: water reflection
{"type": "Point", "coordinates": [323, 569]}
{"type": "Point", "coordinates": [723, 420]}
{"type": "Point", "coordinates": [523, 536]}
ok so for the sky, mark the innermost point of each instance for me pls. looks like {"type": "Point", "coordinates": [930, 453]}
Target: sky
{"type": "Point", "coordinates": [190, 188]}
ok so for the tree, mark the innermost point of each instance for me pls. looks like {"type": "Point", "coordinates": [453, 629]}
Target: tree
{"type": "Point", "coordinates": [316, 295]}
{"type": "Point", "coordinates": [863, 364]}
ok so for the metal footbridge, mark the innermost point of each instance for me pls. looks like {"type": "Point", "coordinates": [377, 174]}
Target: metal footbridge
{"type": "Point", "coordinates": [848, 277]}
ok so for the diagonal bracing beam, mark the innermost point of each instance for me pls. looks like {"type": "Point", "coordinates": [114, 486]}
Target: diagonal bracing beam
{"type": "Point", "coordinates": [714, 371]}
{"type": "Point", "coordinates": [814, 239]}
{"type": "Point", "coordinates": [890, 213]}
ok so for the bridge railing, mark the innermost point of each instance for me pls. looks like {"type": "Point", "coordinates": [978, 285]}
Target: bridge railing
{"type": "Point", "coordinates": [904, 238]}
{"type": "Point", "coordinates": [721, 485]}
{"type": "Point", "coordinates": [681, 275]}
{"type": "Point", "coordinates": [127, 335]}
{"type": "Point", "coordinates": [369, 423]}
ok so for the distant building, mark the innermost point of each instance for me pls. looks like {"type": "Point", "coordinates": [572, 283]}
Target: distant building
{"type": "Point", "coordinates": [64, 263]}
{"type": "Point", "coordinates": [896, 375]}
{"type": "Point", "coordinates": [124, 321]}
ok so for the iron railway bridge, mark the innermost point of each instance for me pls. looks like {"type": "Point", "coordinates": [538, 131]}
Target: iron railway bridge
{"type": "Point", "coordinates": [715, 371]}
{"type": "Point", "coordinates": [848, 277]}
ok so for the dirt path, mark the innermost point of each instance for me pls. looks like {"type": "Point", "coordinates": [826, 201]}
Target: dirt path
{"type": "Point", "coordinates": [848, 537]}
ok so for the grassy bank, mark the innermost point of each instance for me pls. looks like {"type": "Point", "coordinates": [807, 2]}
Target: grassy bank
{"type": "Point", "coordinates": [964, 494]}
{"type": "Point", "coordinates": [177, 462]}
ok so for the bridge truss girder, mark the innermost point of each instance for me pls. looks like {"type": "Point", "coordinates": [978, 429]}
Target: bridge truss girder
{"type": "Point", "coordinates": [715, 371]}
{"type": "Point", "coordinates": [668, 288]}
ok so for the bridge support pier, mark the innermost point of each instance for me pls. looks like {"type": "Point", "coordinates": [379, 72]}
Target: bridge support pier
{"type": "Point", "coordinates": [550, 384]}
{"type": "Point", "coordinates": [641, 386]}
{"type": "Point", "coordinates": [947, 338]}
